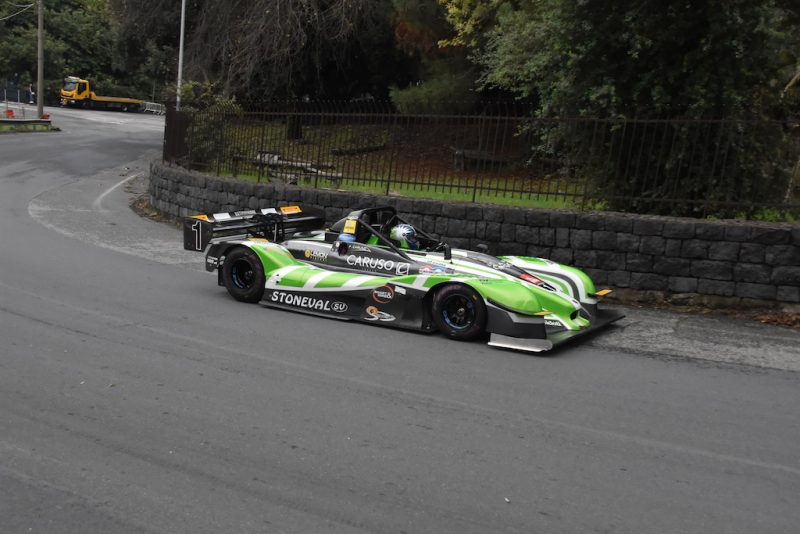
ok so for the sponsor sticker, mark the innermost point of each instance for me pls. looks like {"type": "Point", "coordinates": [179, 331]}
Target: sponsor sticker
{"type": "Point", "coordinates": [379, 264]}
{"type": "Point", "coordinates": [308, 303]}
{"type": "Point", "coordinates": [350, 226]}
{"type": "Point", "coordinates": [376, 315]}
{"type": "Point", "coordinates": [288, 210]}
{"type": "Point", "coordinates": [383, 294]}
{"type": "Point", "coordinates": [315, 255]}
{"type": "Point", "coordinates": [432, 269]}
{"type": "Point", "coordinates": [553, 322]}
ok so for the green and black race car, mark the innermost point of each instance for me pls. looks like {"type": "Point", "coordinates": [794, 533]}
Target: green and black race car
{"type": "Point", "coordinates": [373, 266]}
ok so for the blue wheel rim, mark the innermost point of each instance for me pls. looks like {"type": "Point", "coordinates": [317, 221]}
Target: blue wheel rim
{"type": "Point", "coordinates": [458, 312]}
{"type": "Point", "coordinates": [242, 274]}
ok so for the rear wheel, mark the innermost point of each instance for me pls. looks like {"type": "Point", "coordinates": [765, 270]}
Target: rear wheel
{"type": "Point", "coordinates": [243, 275]}
{"type": "Point", "coordinates": [459, 312]}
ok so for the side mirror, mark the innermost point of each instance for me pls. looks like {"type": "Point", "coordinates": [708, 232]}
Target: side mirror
{"type": "Point", "coordinates": [448, 254]}
{"type": "Point", "coordinates": [483, 248]}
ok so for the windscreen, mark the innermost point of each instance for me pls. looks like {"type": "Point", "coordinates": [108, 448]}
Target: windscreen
{"type": "Point", "coordinates": [69, 86]}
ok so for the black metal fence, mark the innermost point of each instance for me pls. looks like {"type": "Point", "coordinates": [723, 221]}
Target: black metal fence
{"type": "Point", "coordinates": [502, 155]}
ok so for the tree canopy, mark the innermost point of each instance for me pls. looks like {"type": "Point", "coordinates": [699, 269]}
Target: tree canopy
{"type": "Point", "coordinates": [697, 58]}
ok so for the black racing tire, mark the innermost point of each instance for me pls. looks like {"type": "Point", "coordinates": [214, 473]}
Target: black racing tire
{"type": "Point", "coordinates": [243, 275]}
{"type": "Point", "coordinates": [459, 312]}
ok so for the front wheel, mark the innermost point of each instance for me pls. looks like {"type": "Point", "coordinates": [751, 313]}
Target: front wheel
{"type": "Point", "coordinates": [459, 312]}
{"type": "Point", "coordinates": [243, 275]}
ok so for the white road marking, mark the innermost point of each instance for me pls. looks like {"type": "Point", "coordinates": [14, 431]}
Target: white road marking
{"type": "Point", "coordinates": [97, 205]}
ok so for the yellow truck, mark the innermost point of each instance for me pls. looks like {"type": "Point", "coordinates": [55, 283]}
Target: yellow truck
{"type": "Point", "coordinates": [77, 92]}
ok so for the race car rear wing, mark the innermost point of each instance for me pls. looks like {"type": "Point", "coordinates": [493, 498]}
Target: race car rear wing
{"type": "Point", "coordinates": [275, 224]}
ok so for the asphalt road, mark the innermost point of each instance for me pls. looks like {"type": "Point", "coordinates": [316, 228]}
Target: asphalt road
{"type": "Point", "coordinates": [136, 396]}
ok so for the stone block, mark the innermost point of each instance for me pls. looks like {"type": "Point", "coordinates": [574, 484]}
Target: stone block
{"type": "Point", "coordinates": [648, 282]}
{"type": "Point", "coordinates": [514, 216]}
{"type": "Point", "coordinates": [604, 240]}
{"type": "Point", "coordinates": [536, 251]}
{"type": "Point", "coordinates": [672, 266]}
{"type": "Point", "coordinates": [560, 219]}
{"type": "Point", "coordinates": [427, 207]}
{"type": "Point", "coordinates": [454, 211]}
{"type": "Point", "coordinates": [527, 234]}
{"type": "Point", "coordinates": [547, 236]}
{"type": "Point", "coordinates": [617, 222]}
{"type": "Point", "coordinates": [770, 236]}
{"type": "Point", "coordinates": [405, 205]}
{"type": "Point", "coordinates": [642, 263]}
{"type": "Point", "coordinates": [493, 231]}
{"type": "Point", "coordinates": [494, 214]}
{"type": "Point", "coordinates": [756, 291]}
{"type": "Point", "coordinates": [619, 278]}
{"type": "Point", "coordinates": [710, 231]}
{"type": "Point", "coordinates": [562, 237]}
{"type": "Point", "coordinates": [679, 230]}
{"type": "Point", "coordinates": [537, 218]}
{"type": "Point", "coordinates": [782, 255]}
{"type": "Point", "coordinates": [696, 249]}
{"type": "Point", "coordinates": [673, 247]}
{"type": "Point", "coordinates": [737, 232]}
{"type": "Point", "coordinates": [561, 255]}
{"type": "Point", "coordinates": [682, 284]}
{"type": "Point", "coordinates": [598, 276]}
{"type": "Point", "coordinates": [590, 221]}
{"type": "Point", "coordinates": [651, 227]}
{"type": "Point", "coordinates": [714, 270]}
{"type": "Point", "coordinates": [457, 228]}
{"type": "Point", "coordinates": [585, 258]}
{"type": "Point", "coordinates": [508, 232]}
{"type": "Point", "coordinates": [609, 260]}
{"type": "Point", "coordinates": [441, 226]}
{"type": "Point", "coordinates": [628, 242]}
{"type": "Point", "coordinates": [581, 239]}
{"type": "Point", "coordinates": [480, 230]}
{"type": "Point", "coordinates": [786, 276]}
{"type": "Point", "coordinates": [752, 253]}
{"type": "Point", "coordinates": [716, 287]}
{"type": "Point", "coordinates": [475, 214]}
{"type": "Point", "coordinates": [652, 244]}
{"type": "Point", "coordinates": [723, 251]}
{"type": "Point", "coordinates": [752, 272]}
{"type": "Point", "coordinates": [788, 294]}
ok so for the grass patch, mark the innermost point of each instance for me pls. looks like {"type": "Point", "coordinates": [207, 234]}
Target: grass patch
{"type": "Point", "coordinates": [23, 128]}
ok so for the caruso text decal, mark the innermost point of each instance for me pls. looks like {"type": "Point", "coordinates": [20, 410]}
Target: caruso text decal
{"type": "Point", "coordinates": [379, 264]}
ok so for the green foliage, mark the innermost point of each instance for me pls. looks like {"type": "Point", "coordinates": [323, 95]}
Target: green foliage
{"type": "Point", "coordinates": [210, 114]}
{"type": "Point", "coordinates": [697, 59]}
{"type": "Point", "coordinates": [448, 88]}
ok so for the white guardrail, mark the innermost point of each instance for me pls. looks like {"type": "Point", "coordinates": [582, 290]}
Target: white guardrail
{"type": "Point", "coordinates": [153, 107]}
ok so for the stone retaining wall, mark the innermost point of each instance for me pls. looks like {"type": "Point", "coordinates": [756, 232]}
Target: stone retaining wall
{"type": "Point", "coordinates": [731, 259]}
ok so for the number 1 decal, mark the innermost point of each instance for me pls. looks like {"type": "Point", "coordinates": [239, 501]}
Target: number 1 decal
{"type": "Point", "coordinates": [197, 227]}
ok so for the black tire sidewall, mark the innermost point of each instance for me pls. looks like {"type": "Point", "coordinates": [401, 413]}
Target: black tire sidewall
{"type": "Point", "coordinates": [256, 290]}
{"type": "Point", "coordinates": [478, 326]}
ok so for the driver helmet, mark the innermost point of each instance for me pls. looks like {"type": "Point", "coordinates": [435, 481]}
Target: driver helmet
{"type": "Point", "coordinates": [405, 235]}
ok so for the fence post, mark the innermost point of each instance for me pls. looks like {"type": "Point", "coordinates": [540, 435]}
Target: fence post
{"type": "Point", "coordinates": [221, 153]}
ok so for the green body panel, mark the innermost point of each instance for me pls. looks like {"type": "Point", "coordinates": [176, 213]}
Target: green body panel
{"type": "Point", "coordinates": [545, 265]}
{"type": "Point", "coordinates": [512, 295]}
{"type": "Point", "coordinates": [273, 256]}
